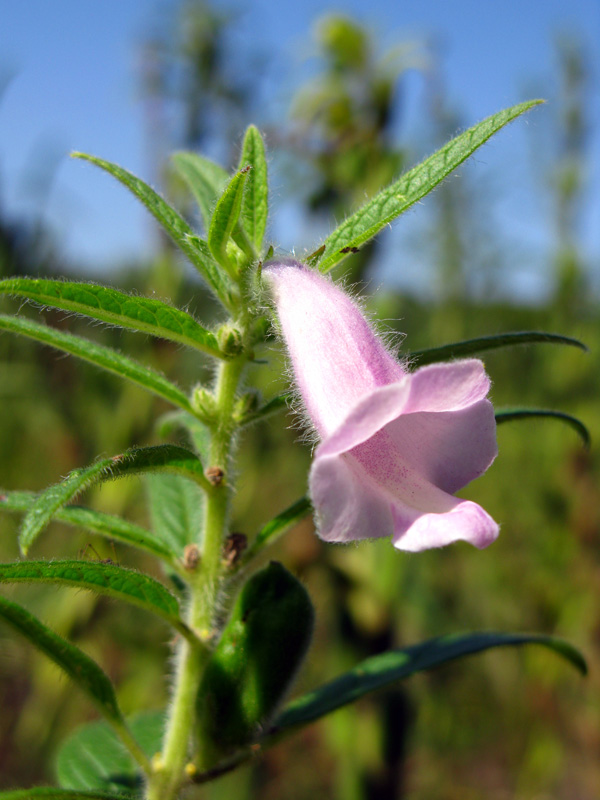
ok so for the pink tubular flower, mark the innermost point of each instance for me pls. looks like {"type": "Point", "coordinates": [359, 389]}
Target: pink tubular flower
{"type": "Point", "coordinates": [395, 445]}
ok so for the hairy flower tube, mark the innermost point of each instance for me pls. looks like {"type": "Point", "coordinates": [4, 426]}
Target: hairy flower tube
{"type": "Point", "coordinates": [395, 445]}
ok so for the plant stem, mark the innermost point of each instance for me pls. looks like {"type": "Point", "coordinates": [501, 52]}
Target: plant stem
{"type": "Point", "coordinates": [169, 774]}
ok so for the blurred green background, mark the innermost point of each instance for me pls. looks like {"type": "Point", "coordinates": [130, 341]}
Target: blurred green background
{"type": "Point", "coordinates": [503, 725]}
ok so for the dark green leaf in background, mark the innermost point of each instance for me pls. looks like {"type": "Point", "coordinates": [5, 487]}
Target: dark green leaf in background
{"type": "Point", "coordinates": [93, 758]}
{"type": "Point", "coordinates": [381, 670]}
{"type": "Point", "coordinates": [511, 414]}
{"type": "Point", "coordinates": [470, 347]}
{"type": "Point", "coordinates": [411, 187]}
{"type": "Point", "coordinates": [176, 510]}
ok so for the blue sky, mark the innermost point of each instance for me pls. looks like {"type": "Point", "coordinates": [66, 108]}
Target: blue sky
{"type": "Point", "coordinates": [74, 85]}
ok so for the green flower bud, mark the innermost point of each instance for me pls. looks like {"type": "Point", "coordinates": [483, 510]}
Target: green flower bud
{"type": "Point", "coordinates": [204, 404]}
{"type": "Point", "coordinates": [230, 340]}
{"type": "Point", "coordinates": [252, 667]}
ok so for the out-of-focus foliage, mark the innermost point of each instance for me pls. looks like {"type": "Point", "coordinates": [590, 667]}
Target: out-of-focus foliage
{"type": "Point", "coordinates": [502, 726]}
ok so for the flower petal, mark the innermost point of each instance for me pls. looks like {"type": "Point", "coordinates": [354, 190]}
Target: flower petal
{"type": "Point", "coordinates": [448, 448]}
{"type": "Point", "coordinates": [347, 507]}
{"type": "Point", "coordinates": [336, 356]}
{"type": "Point", "coordinates": [466, 521]}
{"type": "Point", "coordinates": [447, 387]}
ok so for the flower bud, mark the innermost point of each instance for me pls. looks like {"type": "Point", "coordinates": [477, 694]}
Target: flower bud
{"type": "Point", "coordinates": [259, 653]}
{"type": "Point", "coordinates": [204, 404]}
{"type": "Point", "coordinates": [230, 340]}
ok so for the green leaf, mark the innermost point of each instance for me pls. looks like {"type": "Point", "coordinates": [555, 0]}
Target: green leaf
{"type": "Point", "coordinates": [161, 458]}
{"type": "Point", "coordinates": [470, 346]}
{"type": "Point", "coordinates": [143, 314]}
{"type": "Point", "coordinates": [91, 758]}
{"type": "Point", "coordinates": [272, 406]}
{"type": "Point", "coordinates": [108, 525]}
{"type": "Point", "coordinates": [411, 187]}
{"type": "Point", "coordinates": [255, 203]}
{"type": "Point", "coordinates": [172, 222]}
{"type": "Point", "coordinates": [100, 356]}
{"type": "Point", "coordinates": [57, 794]}
{"type": "Point", "coordinates": [511, 414]}
{"type": "Point", "coordinates": [110, 579]}
{"type": "Point", "coordinates": [225, 217]}
{"type": "Point", "coordinates": [382, 670]}
{"type": "Point", "coordinates": [79, 667]}
{"type": "Point", "coordinates": [277, 527]}
{"type": "Point", "coordinates": [176, 510]}
{"type": "Point", "coordinates": [205, 179]}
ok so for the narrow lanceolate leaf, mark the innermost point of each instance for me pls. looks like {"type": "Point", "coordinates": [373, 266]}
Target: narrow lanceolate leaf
{"type": "Point", "coordinates": [255, 206]}
{"type": "Point", "coordinates": [176, 510]}
{"type": "Point", "coordinates": [50, 793]}
{"type": "Point", "coordinates": [99, 355]}
{"type": "Point", "coordinates": [225, 217]}
{"type": "Point", "coordinates": [171, 221]}
{"type": "Point", "coordinates": [110, 579]}
{"type": "Point", "coordinates": [273, 406]}
{"type": "Point", "coordinates": [382, 670]}
{"type": "Point", "coordinates": [144, 314]}
{"type": "Point", "coordinates": [411, 187]}
{"type": "Point", "coordinates": [162, 458]}
{"type": "Point", "coordinates": [469, 347]}
{"type": "Point", "coordinates": [108, 525]}
{"type": "Point", "coordinates": [278, 526]}
{"type": "Point", "coordinates": [92, 758]}
{"type": "Point", "coordinates": [510, 414]}
{"type": "Point", "coordinates": [205, 179]}
{"type": "Point", "coordinates": [78, 666]}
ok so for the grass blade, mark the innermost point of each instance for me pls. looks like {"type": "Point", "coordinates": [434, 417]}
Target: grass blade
{"type": "Point", "coordinates": [143, 314]}
{"type": "Point", "coordinates": [99, 355]}
{"type": "Point", "coordinates": [411, 187]}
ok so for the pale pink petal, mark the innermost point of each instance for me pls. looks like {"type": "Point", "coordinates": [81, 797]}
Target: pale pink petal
{"type": "Point", "coordinates": [448, 448]}
{"type": "Point", "coordinates": [347, 505]}
{"type": "Point", "coordinates": [466, 521]}
{"type": "Point", "coordinates": [337, 358]}
{"type": "Point", "coordinates": [447, 387]}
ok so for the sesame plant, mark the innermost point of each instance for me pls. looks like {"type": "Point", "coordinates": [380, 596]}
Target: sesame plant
{"type": "Point", "coordinates": [395, 435]}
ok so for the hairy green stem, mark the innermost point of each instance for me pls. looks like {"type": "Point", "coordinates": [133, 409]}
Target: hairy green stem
{"type": "Point", "coordinates": [169, 773]}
